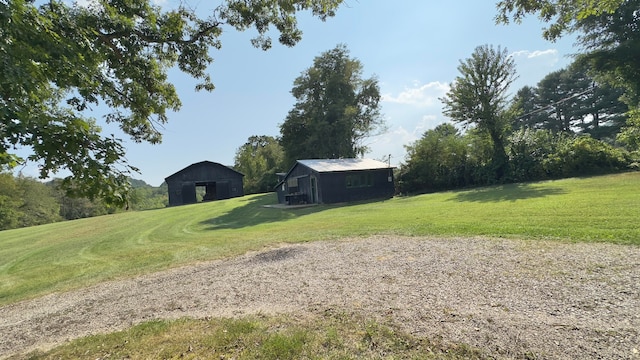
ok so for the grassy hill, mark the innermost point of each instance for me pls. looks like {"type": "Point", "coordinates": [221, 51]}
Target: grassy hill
{"type": "Point", "coordinates": [67, 255]}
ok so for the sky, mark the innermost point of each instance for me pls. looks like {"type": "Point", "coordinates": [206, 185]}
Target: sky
{"type": "Point", "coordinates": [413, 47]}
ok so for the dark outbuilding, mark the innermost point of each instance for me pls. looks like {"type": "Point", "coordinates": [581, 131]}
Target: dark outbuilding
{"type": "Point", "coordinates": [327, 181]}
{"type": "Point", "coordinates": [218, 181]}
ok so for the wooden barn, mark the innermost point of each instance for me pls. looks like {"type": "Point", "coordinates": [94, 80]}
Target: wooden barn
{"type": "Point", "coordinates": [217, 181]}
{"type": "Point", "coordinates": [327, 181]}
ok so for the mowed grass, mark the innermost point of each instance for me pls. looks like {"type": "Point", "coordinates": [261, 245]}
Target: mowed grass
{"type": "Point", "coordinates": [331, 336]}
{"type": "Point", "coordinates": [68, 255]}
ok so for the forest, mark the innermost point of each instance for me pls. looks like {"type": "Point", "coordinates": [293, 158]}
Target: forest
{"type": "Point", "coordinates": [26, 201]}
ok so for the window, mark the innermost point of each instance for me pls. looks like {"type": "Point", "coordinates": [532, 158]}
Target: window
{"type": "Point", "coordinates": [292, 182]}
{"type": "Point", "coordinates": [359, 180]}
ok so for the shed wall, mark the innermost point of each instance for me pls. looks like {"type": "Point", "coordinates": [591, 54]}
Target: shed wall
{"type": "Point", "coordinates": [331, 187]}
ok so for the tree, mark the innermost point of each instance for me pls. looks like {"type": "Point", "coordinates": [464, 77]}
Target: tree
{"type": "Point", "coordinates": [525, 103]}
{"type": "Point", "coordinates": [559, 96]}
{"type": "Point", "coordinates": [612, 47]}
{"type": "Point", "coordinates": [39, 204]}
{"type": "Point", "coordinates": [570, 100]}
{"type": "Point", "coordinates": [529, 152]}
{"type": "Point", "coordinates": [562, 14]}
{"type": "Point", "coordinates": [478, 97]}
{"type": "Point", "coordinates": [629, 135]}
{"type": "Point", "coordinates": [609, 36]}
{"type": "Point", "coordinates": [25, 202]}
{"type": "Point", "coordinates": [60, 60]}
{"type": "Point", "coordinates": [79, 207]}
{"type": "Point", "coordinates": [335, 109]}
{"type": "Point", "coordinates": [259, 159]}
{"type": "Point", "coordinates": [145, 196]}
{"type": "Point", "coordinates": [10, 202]}
{"type": "Point", "coordinates": [438, 160]}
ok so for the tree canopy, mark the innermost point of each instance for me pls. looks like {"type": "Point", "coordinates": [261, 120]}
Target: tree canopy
{"type": "Point", "coordinates": [570, 100]}
{"type": "Point", "coordinates": [59, 61]}
{"type": "Point", "coordinates": [609, 34]}
{"type": "Point", "coordinates": [335, 109]}
{"type": "Point", "coordinates": [438, 160]}
{"type": "Point", "coordinates": [612, 47]}
{"type": "Point", "coordinates": [478, 97]}
{"type": "Point", "coordinates": [259, 159]}
{"type": "Point", "coordinates": [561, 14]}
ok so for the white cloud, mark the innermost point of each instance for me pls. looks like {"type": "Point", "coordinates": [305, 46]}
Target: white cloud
{"type": "Point", "coordinates": [528, 60]}
{"type": "Point", "coordinates": [393, 141]}
{"type": "Point", "coordinates": [533, 65]}
{"type": "Point", "coordinates": [419, 95]}
{"type": "Point", "coordinates": [536, 53]}
{"type": "Point", "coordinates": [548, 52]}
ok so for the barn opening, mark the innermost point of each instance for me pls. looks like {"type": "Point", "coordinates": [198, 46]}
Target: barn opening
{"type": "Point", "coordinates": [203, 181]}
{"type": "Point", "coordinates": [212, 190]}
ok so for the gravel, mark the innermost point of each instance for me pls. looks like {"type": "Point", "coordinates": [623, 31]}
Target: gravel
{"type": "Point", "coordinates": [511, 298]}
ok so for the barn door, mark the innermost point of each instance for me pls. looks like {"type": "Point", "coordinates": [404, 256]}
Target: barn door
{"type": "Point", "coordinates": [223, 190]}
{"type": "Point", "coordinates": [189, 193]}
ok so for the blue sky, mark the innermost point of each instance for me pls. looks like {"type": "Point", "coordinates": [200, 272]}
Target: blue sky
{"type": "Point", "coordinates": [412, 46]}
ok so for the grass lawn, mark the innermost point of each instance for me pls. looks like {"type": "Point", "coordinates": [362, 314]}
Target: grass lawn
{"type": "Point", "coordinates": [56, 257]}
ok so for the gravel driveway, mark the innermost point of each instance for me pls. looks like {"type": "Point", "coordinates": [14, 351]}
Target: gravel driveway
{"type": "Point", "coordinates": [511, 298]}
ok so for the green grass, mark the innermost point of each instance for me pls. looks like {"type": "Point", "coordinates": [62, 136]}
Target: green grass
{"type": "Point", "coordinates": [68, 255]}
{"type": "Point", "coordinates": [333, 336]}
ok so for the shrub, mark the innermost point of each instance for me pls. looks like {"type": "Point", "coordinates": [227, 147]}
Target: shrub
{"type": "Point", "coordinates": [585, 156]}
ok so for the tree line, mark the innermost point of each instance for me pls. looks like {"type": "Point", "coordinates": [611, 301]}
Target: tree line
{"type": "Point", "coordinates": [570, 124]}
{"type": "Point", "coordinates": [26, 201]}
{"type": "Point", "coordinates": [581, 120]}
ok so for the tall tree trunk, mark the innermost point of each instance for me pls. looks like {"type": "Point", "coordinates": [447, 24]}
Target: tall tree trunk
{"type": "Point", "coordinates": [499, 160]}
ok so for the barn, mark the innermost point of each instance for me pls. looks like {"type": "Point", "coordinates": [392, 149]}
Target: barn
{"type": "Point", "coordinates": [216, 180]}
{"type": "Point", "coordinates": [327, 181]}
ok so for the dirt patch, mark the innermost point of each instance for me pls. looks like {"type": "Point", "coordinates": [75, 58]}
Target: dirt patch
{"type": "Point", "coordinates": [513, 299]}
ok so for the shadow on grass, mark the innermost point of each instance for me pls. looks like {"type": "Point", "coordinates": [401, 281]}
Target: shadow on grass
{"type": "Point", "coordinates": [510, 192]}
{"type": "Point", "coordinates": [257, 211]}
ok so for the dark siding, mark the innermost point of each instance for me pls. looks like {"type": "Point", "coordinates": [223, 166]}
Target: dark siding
{"type": "Point", "coordinates": [281, 189]}
{"type": "Point", "coordinates": [332, 186]}
{"type": "Point", "coordinates": [301, 173]}
{"type": "Point", "coordinates": [182, 185]}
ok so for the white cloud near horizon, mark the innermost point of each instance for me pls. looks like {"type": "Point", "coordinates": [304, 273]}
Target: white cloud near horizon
{"type": "Point", "coordinates": [393, 141]}
{"type": "Point", "coordinates": [419, 95]}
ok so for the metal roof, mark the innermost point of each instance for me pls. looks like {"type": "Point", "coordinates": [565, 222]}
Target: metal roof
{"type": "Point", "coordinates": [334, 165]}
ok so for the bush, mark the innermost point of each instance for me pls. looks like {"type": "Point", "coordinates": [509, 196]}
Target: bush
{"type": "Point", "coordinates": [441, 159]}
{"type": "Point", "coordinates": [585, 156]}
{"type": "Point", "coordinates": [528, 151]}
